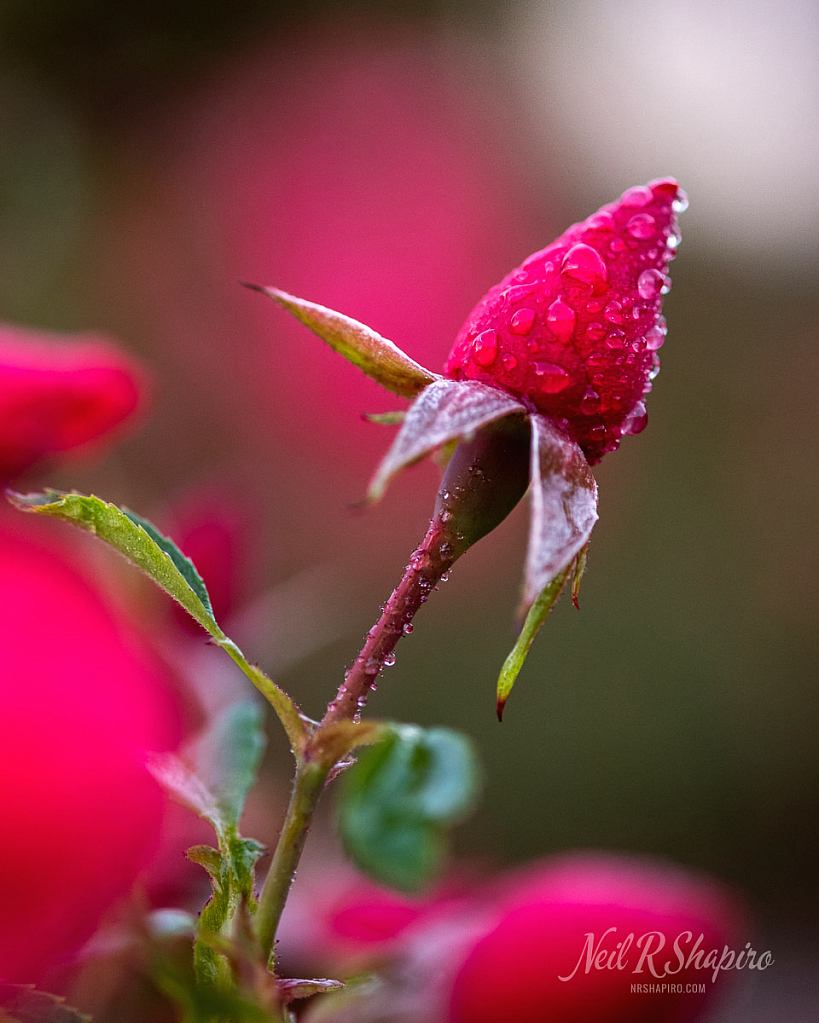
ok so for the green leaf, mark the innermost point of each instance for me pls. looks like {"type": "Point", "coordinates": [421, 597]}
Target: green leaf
{"type": "Point", "coordinates": [160, 559]}
{"type": "Point", "coordinates": [359, 344]}
{"type": "Point", "coordinates": [186, 567]}
{"type": "Point", "coordinates": [212, 776]}
{"type": "Point", "coordinates": [22, 1004]}
{"type": "Point", "coordinates": [215, 772]}
{"type": "Point", "coordinates": [537, 615]}
{"type": "Point", "coordinates": [400, 798]}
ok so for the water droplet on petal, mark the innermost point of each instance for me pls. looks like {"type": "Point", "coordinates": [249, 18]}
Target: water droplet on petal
{"type": "Point", "coordinates": [602, 221]}
{"type": "Point", "coordinates": [614, 312]}
{"type": "Point", "coordinates": [673, 240]}
{"type": "Point", "coordinates": [617, 245]}
{"type": "Point", "coordinates": [408, 628]}
{"type": "Point", "coordinates": [561, 319]}
{"type": "Point", "coordinates": [680, 204]}
{"type": "Point", "coordinates": [595, 331]}
{"type": "Point", "coordinates": [583, 263]}
{"type": "Point", "coordinates": [641, 225]}
{"type": "Point", "coordinates": [389, 660]}
{"type": "Point", "coordinates": [636, 420]}
{"type": "Point", "coordinates": [590, 400]}
{"type": "Point", "coordinates": [654, 339]}
{"type": "Point", "coordinates": [486, 348]}
{"type": "Point", "coordinates": [615, 338]}
{"type": "Point", "coordinates": [522, 320]}
{"type": "Point", "coordinates": [649, 283]}
{"type": "Point", "coordinates": [509, 362]}
{"type": "Point", "coordinates": [655, 366]}
{"type": "Point", "coordinates": [518, 293]}
{"type": "Point", "coordinates": [551, 378]}
{"type": "Point", "coordinates": [638, 196]}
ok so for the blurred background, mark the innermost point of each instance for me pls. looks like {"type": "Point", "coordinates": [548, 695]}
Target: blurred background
{"type": "Point", "coordinates": [393, 161]}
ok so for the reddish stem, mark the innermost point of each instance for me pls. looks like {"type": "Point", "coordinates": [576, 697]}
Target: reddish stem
{"type": "Point", "coordinates": [431, 559]}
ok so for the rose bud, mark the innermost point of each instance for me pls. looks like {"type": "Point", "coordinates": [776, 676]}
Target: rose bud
{"type": "Point", "coordinates": [568, 341]}
{"type": "Point", "coordinates": [575, 328]}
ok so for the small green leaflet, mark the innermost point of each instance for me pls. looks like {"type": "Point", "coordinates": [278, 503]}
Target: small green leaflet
{"type": "Point", "coordinates": [214, 774]}
{"type": "Point", "coordinates": [400, 798]}
{"type": "Point", "coordinates": [212, 777]}
{"type": "Point", "coordinates": [160, 559]}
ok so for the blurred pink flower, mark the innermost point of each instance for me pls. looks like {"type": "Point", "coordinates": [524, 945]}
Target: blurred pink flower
{"type": "Point", "coordinates": [538, 932]}
{"type": "Point", "coordinates": [58, 393]}
{"type": "Point", "coordinates": [81, 700]}
{"type": "Point", "coordinates": [364, 168]}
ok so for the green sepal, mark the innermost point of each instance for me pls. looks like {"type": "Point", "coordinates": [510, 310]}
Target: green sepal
{"type": "Point", "coordinates": [359, 344]}
{"type": "Point", "coordinates": [401, 797]}
{"type": "Point", "coordinates": [536, 616]}
{"type": "Point", "coordinates": [161, 560]}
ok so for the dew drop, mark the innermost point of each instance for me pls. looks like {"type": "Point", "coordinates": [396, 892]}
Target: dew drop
{"type": "Point", "coordinates": [551, 378]}
{"type": "Point", "coordinates": [641, 225]}
{"type": "Point", "coordinates": [617, 245]}
{"type": "Point", "coordinates": [583, 263]}
{"type": "Point", "coordinates": [590, 400]}
{"type": "Point", "coordinates": [509, 362]}
{"type": "Point", "coordinates": [517, 293]}
{"type": "Point", "coordinates": [602, 221]}
{"type": "Point", "coordinates": [615, 338]}
{"type": "Point", "coordinates": [673, 240]}
{"type": "Point", "coordinates": [614, 312]}
{"type": "Point", "coordinates": [445, 577]}
{"type": "Point", "coordinates": [486, 348]}
{"type": "Point", "coordinates": [655, 366]}
{"type": "Point", "coordinates": [595, 331]}
{"type": "Point", "coordinates": [561, 319]}
{"type": "Point", "coordinates": [654, 339]}
{"type": "Point", "coordinates": [408, 628]}
{"type": "Point", "coordinates": [389, 660]}
{"type": "Point", "coordinates": [649, 283]}
{"type": "Point", "coordinates": [636, 420]}
{"type": "Point", "coordinates": [638, 196]}
{"type": "Point", "coordinates": [593, 307]}
{"type": "Point", "coordinates": [680, 204]}
{"type": "Point", "coordinates": [522, 320]}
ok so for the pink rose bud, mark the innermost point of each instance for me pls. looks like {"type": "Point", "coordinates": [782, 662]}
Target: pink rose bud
{"type": "Point", "coordinates": [575, 329]}
{"type": "Point", "coordinates": [59, 393]}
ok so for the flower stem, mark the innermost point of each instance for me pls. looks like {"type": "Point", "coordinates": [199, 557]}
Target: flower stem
{"type": "Point", "coordinates": [432, 559]}
{"type": "Point", "coordinates": [307, 788]}
{"type": "Point", "coordinates": [428, 563]}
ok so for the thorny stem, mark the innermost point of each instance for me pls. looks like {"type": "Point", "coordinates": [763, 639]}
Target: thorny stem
{"type": "Point", "coordinates": [428, 563]}
{"type": "Point", "coordinates": [432, 559]}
